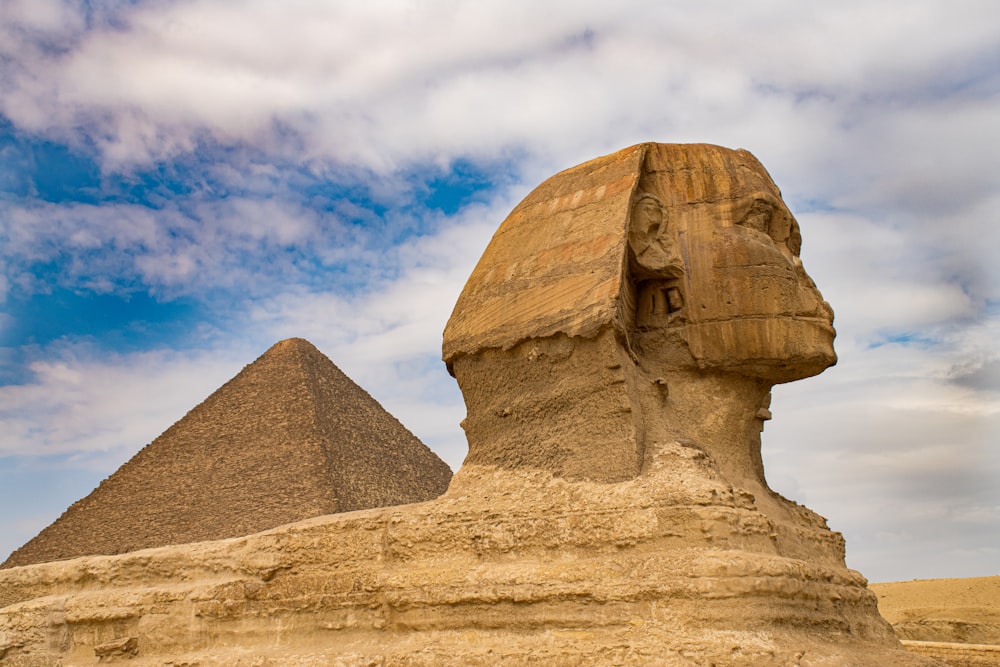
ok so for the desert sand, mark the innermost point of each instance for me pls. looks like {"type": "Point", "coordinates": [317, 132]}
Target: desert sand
{"type": "Point", "coordinates": [931, 616]}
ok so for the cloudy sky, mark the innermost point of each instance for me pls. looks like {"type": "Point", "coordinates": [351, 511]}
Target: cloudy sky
{"type": "Point", "coordinates": [185, 182]}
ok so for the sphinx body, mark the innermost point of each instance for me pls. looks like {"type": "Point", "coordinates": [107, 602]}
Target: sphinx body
{"type": "Point", "coordinates": [615, 346]}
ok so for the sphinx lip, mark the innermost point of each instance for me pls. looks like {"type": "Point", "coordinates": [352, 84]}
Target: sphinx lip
{"type": "Point", "coordinates": [821, 322]}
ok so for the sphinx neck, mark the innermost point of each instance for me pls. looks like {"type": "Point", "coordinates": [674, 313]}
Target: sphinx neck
{"type": "Point", "coordinates": [721, 413]}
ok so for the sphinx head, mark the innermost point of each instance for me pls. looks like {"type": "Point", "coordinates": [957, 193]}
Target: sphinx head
{"type": "Point", "coordinates": [658, 265]}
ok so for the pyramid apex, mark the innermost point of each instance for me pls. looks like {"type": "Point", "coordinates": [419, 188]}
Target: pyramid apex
{"type": "Point", "coordinates": [291, 348]}
{"type": "Point", "coordinates": [292, 344]}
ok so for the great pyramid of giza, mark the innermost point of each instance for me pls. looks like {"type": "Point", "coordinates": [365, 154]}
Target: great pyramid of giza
{"type": "Point", "coordinates": [290, 437]}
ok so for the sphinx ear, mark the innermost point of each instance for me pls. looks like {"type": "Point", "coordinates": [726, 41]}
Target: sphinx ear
{"type": "Point", "coordinates": [652, 248]}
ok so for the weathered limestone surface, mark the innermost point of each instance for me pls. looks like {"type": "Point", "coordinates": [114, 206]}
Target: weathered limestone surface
{"type": "Point", "coordinates": [674, 567]}
{"type": "Point", "coordinates": [616, 347]}
{"type": "Point", "coordinates": [290, 437]}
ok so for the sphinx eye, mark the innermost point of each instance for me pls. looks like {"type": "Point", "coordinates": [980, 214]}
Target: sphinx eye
{"type": "Point", "coordinates": [759, 217]}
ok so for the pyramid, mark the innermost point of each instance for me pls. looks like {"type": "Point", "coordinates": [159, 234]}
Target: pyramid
{"type": "Point", "coordinates": [290, 437]}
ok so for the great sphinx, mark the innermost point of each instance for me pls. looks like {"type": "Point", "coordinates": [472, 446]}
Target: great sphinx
{"type": "Point", "coordinates": [615, 346]}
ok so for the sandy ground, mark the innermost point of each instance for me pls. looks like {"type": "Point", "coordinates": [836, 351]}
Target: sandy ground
{"type": "Point", "coordinates": [943, 610]}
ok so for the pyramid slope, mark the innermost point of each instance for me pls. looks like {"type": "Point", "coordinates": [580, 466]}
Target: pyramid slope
{"type": "Point", "coordinates": [290, 437]}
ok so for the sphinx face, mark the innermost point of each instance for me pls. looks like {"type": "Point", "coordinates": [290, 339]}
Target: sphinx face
{"type": "Point", "coordinates": [750, 306]}
{"type": "Point", "coordinates": [742, 302]}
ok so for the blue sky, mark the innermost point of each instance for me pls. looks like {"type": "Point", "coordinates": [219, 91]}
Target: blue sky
{"type": "Point", "coordinates": [183, 183]}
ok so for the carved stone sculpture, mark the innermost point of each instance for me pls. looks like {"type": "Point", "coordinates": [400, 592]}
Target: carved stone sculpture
{"type": "Point", "coordinates": [625, 300]}
{"type": "Point", "coordinates": [615, 346]}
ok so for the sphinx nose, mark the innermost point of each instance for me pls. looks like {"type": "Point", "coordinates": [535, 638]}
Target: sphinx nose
{"type": "Point", "coordinates": [826, 310]}
{"type": "Point", "coordinates": [810, 301]}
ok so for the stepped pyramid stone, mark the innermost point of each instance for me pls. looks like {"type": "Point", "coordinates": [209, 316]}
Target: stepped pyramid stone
{"type": "Point", "coordinates": [290, 437]}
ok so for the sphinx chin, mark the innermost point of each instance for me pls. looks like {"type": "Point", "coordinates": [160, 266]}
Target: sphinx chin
{"type": "Point", "coordinates": [775, 348]}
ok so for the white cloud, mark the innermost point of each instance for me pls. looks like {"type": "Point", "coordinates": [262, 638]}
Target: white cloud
{"type": "Point", "coordinates": [382, 84]}
{"type": "Point", "coordinates": [896, 455]}
{"type": "Point", "coordinates": [80, 402]}
{"type": "Point", "coordinates": [187, 245]}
